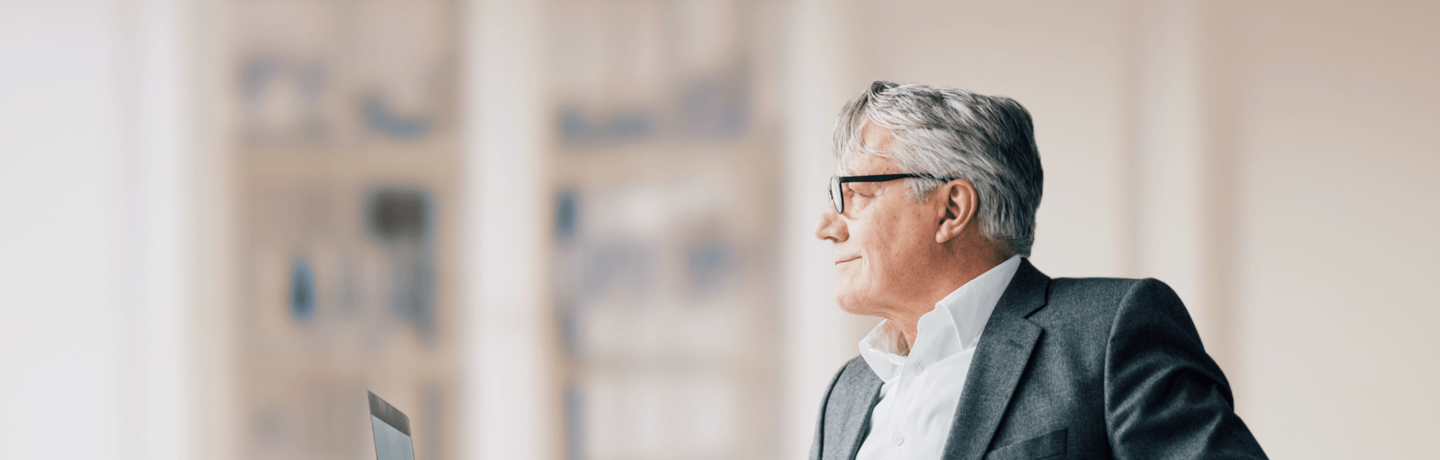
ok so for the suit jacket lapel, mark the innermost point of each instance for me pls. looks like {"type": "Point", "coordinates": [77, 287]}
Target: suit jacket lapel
{"type": "Point", "coordinates": [850, 424]}
{"type": "Point", "coordinates": [1000, 359]}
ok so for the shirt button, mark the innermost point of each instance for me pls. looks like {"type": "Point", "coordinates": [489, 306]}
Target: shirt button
{"type": "Point", "coordinates": [919, 369]}
{"type": "Point", "coordinates": [899, 440]}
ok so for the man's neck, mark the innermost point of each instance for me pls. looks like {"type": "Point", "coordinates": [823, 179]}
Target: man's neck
{"type": "Point", "coordinates": [908, 320]}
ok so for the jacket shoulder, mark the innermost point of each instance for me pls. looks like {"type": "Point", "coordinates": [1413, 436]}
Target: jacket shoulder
{"type": "Point", "coordinates": [1090, 290]}
{"type": "Point", "coordinates": [1093, 303]}
{"type": "Point", "coordinates": [1090, 297]}
{"type": "Point", "coordinates": [1103, 291]}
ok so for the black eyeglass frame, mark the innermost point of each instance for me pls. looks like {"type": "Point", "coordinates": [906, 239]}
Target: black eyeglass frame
{"type": "Point", "coordinates": [837, 196]}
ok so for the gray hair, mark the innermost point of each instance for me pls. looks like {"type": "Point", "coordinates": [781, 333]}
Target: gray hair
{"type": "Point", "coordinates": [954, 133]}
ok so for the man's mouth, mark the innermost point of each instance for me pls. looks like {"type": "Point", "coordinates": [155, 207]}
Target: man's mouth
{"type": "Point", "coordinates": [838, 262]}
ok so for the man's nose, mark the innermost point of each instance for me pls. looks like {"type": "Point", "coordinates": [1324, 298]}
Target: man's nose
{"type": "Point", "coordinates": [831, 227]}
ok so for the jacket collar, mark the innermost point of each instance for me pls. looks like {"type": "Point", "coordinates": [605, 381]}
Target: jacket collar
{"type": "Point", "coordinates": [847, 415]}
{"type": "Point", "coordinates": [1000, 359]}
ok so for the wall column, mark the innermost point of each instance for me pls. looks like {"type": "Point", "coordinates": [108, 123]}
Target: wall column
{"type": "Point", "coordinates": [818, 337]}
{"type": "Point", "coordinates": [513, 410]}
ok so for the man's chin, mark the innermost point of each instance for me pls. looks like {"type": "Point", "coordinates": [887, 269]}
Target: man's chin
{"type": "Point", "coordinates": [850, 304]}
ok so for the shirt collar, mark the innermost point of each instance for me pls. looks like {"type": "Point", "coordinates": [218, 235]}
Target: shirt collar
{"type": "Point", "coordinates": [970, 305]}
{"type": "Point", "coordinates": [967, 309]}
{"type": "Point", "coordinates": [884, 350]}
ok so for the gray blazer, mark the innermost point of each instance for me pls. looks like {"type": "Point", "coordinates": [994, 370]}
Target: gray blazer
{"type": "Point", "coordinates": [1073, 369]}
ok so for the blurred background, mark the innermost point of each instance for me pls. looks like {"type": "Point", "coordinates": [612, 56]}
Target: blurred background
{"type": "Point", "coordinates": [582, 229]}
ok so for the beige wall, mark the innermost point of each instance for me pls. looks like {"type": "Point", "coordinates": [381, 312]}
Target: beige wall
{"type": "Point", "coordinates": [1337, 156]}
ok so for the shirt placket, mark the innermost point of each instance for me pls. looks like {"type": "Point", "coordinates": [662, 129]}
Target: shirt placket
{"type": "Point", "coordinates": [900, 439]}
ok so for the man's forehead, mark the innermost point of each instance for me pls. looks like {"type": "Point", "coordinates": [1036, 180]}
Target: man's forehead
{"type": "Point", "coordinates": [860, 164]}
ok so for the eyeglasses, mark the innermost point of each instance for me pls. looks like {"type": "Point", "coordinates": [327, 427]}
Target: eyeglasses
{"type": "Point", "coordinates": [838, 197]}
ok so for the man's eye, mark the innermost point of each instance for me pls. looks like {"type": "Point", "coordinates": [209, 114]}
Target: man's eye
{"type": "Point", "coordinates": [862, 191]}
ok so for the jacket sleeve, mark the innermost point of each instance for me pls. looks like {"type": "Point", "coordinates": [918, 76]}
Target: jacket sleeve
{"type": "Point", "coordinates": [818, 443]}
{"type": "Point", "coordinates": [1164, 396]}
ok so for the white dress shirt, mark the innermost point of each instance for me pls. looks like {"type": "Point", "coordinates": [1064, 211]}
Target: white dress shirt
{"type": "Point", "coordinates": [923, 384]}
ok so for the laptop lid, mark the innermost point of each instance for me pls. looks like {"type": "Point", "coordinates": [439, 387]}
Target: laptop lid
{"type": "Point", "coordinates": [392, 431]}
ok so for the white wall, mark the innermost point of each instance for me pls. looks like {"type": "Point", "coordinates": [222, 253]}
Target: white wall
{"type": "Point", "coordinates": [94, 356]}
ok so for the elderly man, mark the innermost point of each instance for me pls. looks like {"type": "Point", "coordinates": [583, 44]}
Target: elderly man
{"type": "Point", "coordinates": [980, 355]}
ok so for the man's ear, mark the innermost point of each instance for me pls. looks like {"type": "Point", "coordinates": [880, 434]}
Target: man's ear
{"type": "Point", "coordinates": [960, 203]}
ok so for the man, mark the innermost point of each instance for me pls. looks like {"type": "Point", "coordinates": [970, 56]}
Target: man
{"type": "Point", "coordinates": [980, 355]}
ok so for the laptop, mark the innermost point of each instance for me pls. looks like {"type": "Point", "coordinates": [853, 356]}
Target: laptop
{"type": "Point", "coordinates": [392, 431]}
